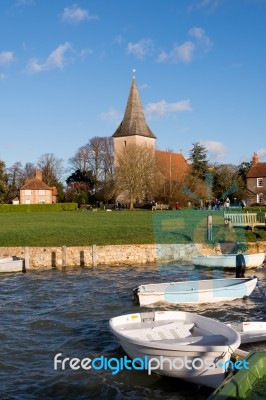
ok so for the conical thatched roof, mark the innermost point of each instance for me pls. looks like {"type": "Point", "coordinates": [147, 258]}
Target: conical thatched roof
{"type": "Point", "coordinates": [134, 122]}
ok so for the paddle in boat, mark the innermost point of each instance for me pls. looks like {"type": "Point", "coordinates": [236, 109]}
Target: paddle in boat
{"type": "Point", "coordinates": [229, 260]}
{"type": "Point", "coordinates": [11, 264]}
{"type": "Point", "coordinates": [177, 344]}
{"type": "Point", "coordinates": [197, 291]}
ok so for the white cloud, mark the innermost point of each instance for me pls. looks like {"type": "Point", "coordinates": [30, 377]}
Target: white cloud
{"type": "Point", "coordinates": [141, 49]}
{"type": "Point", "coordinates": [144, 86]}
{"type": "Point", "coordinates": [75, 14]}
{"type": "Point", "coordinates": [201, 37]}
{"type": "Point", "coordinates": [56, 60]}
{"type": "Point", "coordinates": [6, 57]}
{"type": "Point", "coordinates": [180, 53]}
{"type": "Point", "coordinates": [21, 3]}
{"type": "Point", "coordinates": [206, 4]}
{"type": "Point", "coordinates": [119, 39]}
{"type": "Point", "coordinates": [112, 116]}
{"type": "Point", "coordinates": [85, 53]}
{"type": "Point", "coordinates": [163, 108]}
{"type": "Point", "coordinates": [216, 149]}
{"type": "Point", "coordinates": [184, 53]}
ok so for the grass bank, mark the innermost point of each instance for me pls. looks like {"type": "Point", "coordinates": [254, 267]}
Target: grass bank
{"type": "Point", "coordinates": [79, 228]}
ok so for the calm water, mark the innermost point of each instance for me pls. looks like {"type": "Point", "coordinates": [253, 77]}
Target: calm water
{"type": "Point", "coordinates": [50, 312]}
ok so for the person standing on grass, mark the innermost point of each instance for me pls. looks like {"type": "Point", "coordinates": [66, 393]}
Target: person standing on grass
{"type": "Point", "coordinates": [243, 204]}
{"type": "Point", "coordinates": [227, 202]}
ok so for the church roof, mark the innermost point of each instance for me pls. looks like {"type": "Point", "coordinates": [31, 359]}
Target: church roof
{"type": "Point", "coordinates": [171, 165]}
{"type": "Point", "coordinates": [134, 122]}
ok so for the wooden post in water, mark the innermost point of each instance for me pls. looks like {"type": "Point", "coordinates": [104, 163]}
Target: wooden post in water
{"type": "Point", "coordinates": [209, 227]}
{"type": "Point", "coordinates": [64, 256]}
{"type": "Point", "coordinates": [26, 258]}
{"type": "Point", "coordinates": [94, 255]}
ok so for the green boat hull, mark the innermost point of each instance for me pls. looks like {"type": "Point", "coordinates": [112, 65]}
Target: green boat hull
{"type": "Point", "coordinates": [239, 385]}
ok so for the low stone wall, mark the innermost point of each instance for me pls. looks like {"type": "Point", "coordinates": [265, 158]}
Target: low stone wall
{"type": "Point", "coordinates": [52, 257]}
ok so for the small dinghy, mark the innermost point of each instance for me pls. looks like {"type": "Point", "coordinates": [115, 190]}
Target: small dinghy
{"type": "Point", "coordinates": [11, 264]}
{"type": "Point", "coordinates": [198, 291]}
{"type": "Point", "coordinates": [250, 331]}
{"type": "Point", "coordinates": [229, 260]}
{"type": "Point", "coordinates": [177, 344]}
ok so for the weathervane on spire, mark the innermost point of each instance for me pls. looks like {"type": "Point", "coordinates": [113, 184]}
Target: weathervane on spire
{"type": "Point", "coordinates": [134, 73]}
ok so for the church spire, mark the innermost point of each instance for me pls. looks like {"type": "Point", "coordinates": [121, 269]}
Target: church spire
{"type": "Point", "coordinates": [134, 122]}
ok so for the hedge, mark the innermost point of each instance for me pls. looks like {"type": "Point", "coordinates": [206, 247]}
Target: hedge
{"type": "Point", "coordinates": [6, 208]}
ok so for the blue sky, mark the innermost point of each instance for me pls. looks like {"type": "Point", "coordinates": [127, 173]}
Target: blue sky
{"type": "Point", "coordinates": [66, 70]}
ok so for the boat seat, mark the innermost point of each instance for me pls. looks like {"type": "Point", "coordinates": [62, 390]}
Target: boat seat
{"type": "Point", "coordinates": [212, 340]}
{"type": "Point", "coordinates": [174, 330]}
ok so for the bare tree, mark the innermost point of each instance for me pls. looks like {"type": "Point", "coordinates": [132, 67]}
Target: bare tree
{"type": "Point", "coordinates": [3, 181]}
{"type": "Point", "coordinates": [51, 167]}
{"type": "Point", "coordinates": [28, 171]}
{"type": "Point", "coordinates": [80, 160]}
{"type": "Point", "coordinates": [135, 173]}
{"type": "Point", "coordinates": [97, 157]}
{"type": "Point", "coordinates": [15, 180]}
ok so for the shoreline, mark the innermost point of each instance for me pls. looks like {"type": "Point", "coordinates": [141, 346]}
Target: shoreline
{"type": "Point", "coordinates": [37, 258]}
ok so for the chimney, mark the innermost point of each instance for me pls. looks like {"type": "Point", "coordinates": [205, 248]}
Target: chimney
{"type": "Point", "coordinates": [255, 159]}
{"type": "Point", "coordinates": [38, 174]}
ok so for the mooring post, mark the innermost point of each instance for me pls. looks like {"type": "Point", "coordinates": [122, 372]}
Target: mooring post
{"type": "Point", "coordinates": [94, 255]}
{"type": "Point", "coordinates": [209, 227]}
{"type": "Point", "coordinates": [26, 257]}
{"type": "Point", "coordinates": [64, 256]}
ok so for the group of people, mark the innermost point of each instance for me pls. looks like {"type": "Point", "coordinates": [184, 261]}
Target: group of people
{"type": "Point", "coordinates": [213, 204]}
{"type": "Point", "coordinates": [216, 204]}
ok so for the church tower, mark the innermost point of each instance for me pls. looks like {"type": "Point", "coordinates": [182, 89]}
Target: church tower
{"type": "Point", "coordinates": [133, 129]}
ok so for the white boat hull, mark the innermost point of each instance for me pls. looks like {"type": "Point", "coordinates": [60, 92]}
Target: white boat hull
{"type": "Point", "coordinates": [195, 292]}
{"type": "Point", "coordinates": [251, 331]}
{"type": "Point", "coordinates": [10, 264]}
{"type": "Point", "coordinates": [198, 358]}
{"type": "Point", "coordinates": [228, 260]}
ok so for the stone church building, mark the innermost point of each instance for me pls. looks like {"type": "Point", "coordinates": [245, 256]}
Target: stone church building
{"type": "Point", "coordinates": [134, 130]}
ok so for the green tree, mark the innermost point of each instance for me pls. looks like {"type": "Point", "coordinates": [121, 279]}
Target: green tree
{"type": "Point", "coordinates": [198, 159]}
{"type": "Point", "coordinates": [242, 171]}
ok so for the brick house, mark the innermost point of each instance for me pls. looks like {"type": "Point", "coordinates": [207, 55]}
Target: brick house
{"type": "Point", "coordinates": [35, 191]}
{"type": "Point", "coordinates": [256, 182]}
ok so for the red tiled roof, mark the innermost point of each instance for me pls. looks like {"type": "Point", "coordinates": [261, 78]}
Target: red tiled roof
{"type": "Point", "coordinates": [257, 170]}
{"type": "Point", "coordinates": [35, 184]}
{"type": "Point", "coordinates": [171, 165]}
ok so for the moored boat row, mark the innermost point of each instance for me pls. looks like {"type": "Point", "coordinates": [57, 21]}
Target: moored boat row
{"type": "Point", "coordinates": [187, 345]}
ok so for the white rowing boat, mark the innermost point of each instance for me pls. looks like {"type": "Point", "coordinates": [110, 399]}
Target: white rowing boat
{"type": "Point", "coordinates": [177, 344]}
{"type": "Point", "coordinates": [250, 331]}
{"type": "Point", "coordinates": [197, 291]}
{"type": "Point", "coordinates": [11, 264]}
{"type": "Point", "coordinates": [228, 260]}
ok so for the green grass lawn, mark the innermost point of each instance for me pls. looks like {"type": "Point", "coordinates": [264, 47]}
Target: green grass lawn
{"type": "Point", "coordinates": [79, 228]}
